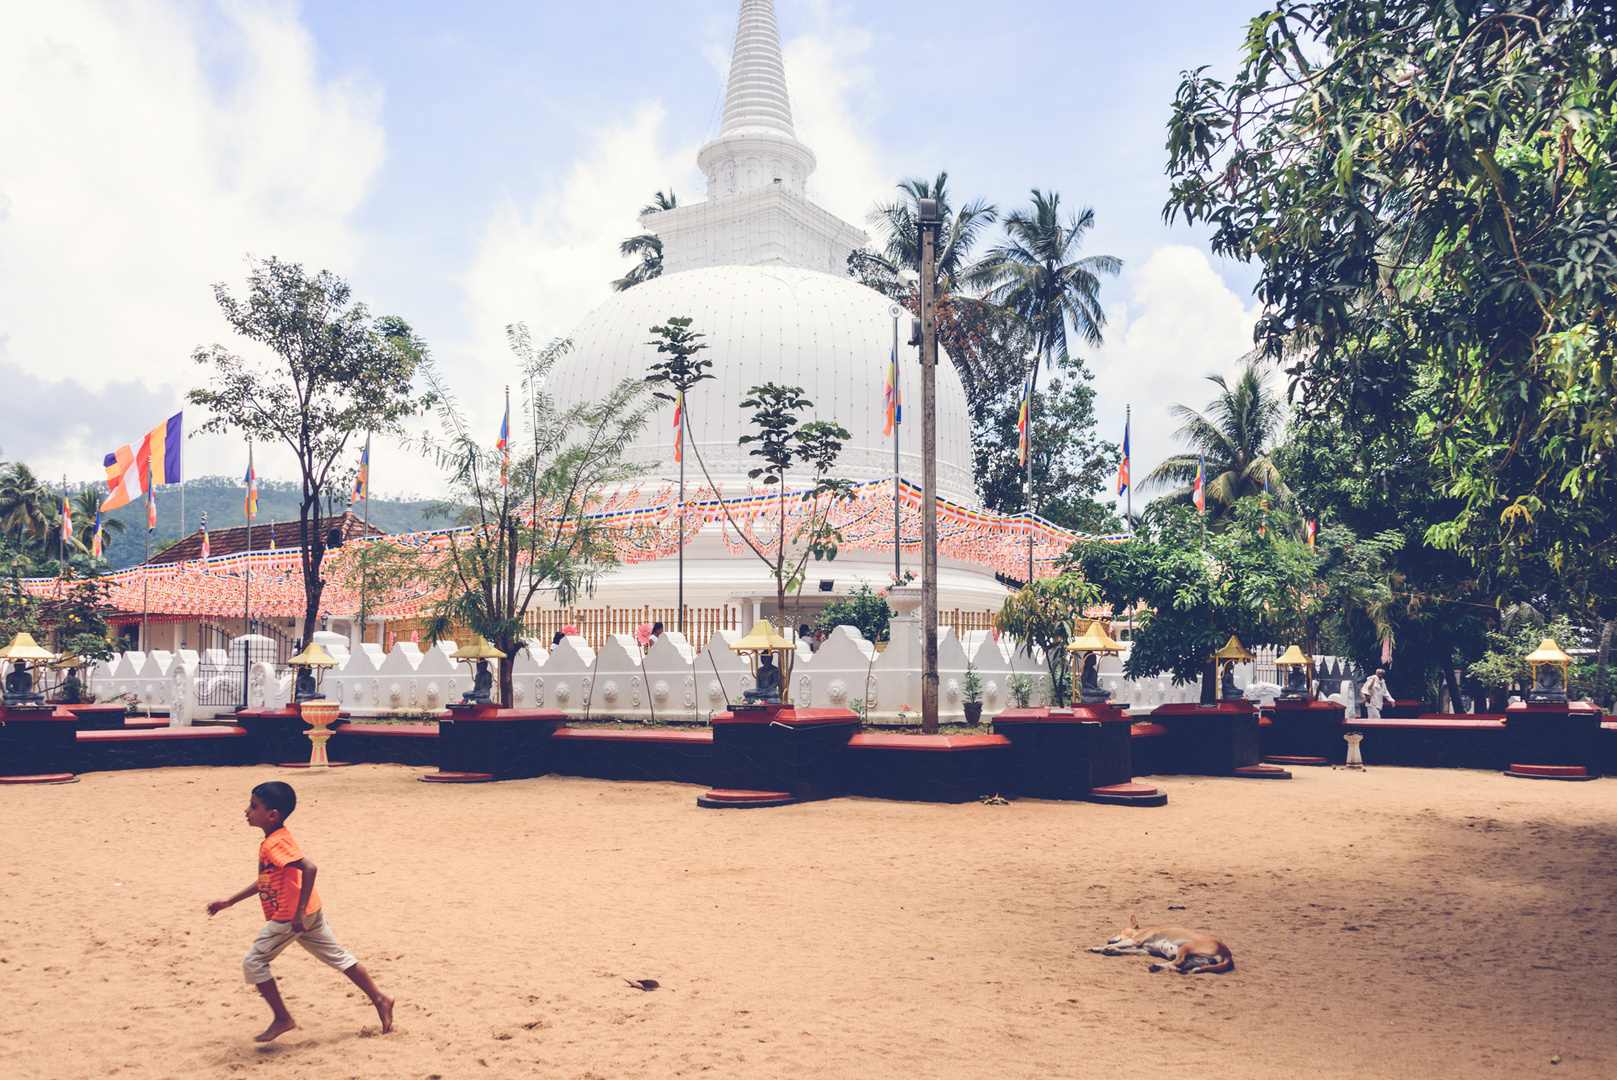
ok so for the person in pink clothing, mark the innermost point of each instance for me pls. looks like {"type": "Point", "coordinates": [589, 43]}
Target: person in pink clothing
{"type": "Point", "coordinates": [285, 888]}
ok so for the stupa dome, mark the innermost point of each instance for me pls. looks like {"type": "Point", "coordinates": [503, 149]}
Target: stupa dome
{"type": "Point", "coordinates": [829, 335]}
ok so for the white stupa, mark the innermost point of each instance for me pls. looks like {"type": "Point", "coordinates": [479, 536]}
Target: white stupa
{"type": "Point", "coordinates": [762, 271]}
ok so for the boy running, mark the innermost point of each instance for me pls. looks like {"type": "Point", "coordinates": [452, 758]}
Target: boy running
{"type": "Point", "coordinates": [285, 888]}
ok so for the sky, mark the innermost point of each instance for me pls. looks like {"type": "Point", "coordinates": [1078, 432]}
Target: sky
{"type": "Point", "coordinates": [470, 165]}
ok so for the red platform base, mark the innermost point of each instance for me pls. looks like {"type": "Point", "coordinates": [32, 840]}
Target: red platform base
{"type": "Point", "coordinates": [1549, 772]}
{"type": "Point", "coordinates": [1127, 795]}
{"type": "Point", "coordinates": [305, 764]}
{"type": "Point", "coordinates": [1284, 759]}
{"type": "Point", "coordinates": [458, 778]}
{"type": "Point", "coordinates": [726, 798]}
{"type": "Point", "coordinates": [42, 778]}
{"type": "Point", "coordinates": [1263, 772]}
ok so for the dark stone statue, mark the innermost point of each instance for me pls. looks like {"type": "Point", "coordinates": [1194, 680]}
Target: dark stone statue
{"type": "Point", "coordinates": [1548, 687]}
{"type": "Point", "coordinates": [768, 689]}
{"type": "Point", "coordinates": [1226, 688]}
{"type": "Point", "coordinates": [1089, 688]}
{"type": "Point", "coordinates": [482, 689]}
{"type": "Point", "coordinates": [1296, 688]}
{"type": "Point", "coordinates": [20, 687]}
{"type": "Point", "coordinates": [304, 687]}
{"type": "Point", "coordinates": [71, 692]}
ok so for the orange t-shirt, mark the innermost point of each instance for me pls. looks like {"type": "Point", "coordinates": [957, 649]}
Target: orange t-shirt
{"type": "Point", "coordinates": [278, 887]}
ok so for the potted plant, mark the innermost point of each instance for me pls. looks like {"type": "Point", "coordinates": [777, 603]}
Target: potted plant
{"type": "Point", "coordinates": [971, 685]}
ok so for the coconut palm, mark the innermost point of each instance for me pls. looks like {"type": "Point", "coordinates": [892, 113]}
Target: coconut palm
{"type": "Point", "coordinates": [647, 247]}
{"type": "Point", "coordinates": [1039, 274]}
{"type": "Point", "coordinates": [28, 508]}
{"type": "Point", "coordinates": [85, 506]}
{"type": "Point", "coordinates": [1232, 435]}
{"type": "Point", "coordinates": [958, 234]}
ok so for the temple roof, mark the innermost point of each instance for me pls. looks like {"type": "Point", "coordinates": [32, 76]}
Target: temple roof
{"type": "Point", "coordinates": [234, 541]}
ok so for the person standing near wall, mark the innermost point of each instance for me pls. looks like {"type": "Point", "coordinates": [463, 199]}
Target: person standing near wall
{"type": "Point", "coordinates": [1374, 692]}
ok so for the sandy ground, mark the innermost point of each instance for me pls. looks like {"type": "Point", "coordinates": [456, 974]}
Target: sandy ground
{"type": "Point", "coordinates": [1394, 922]}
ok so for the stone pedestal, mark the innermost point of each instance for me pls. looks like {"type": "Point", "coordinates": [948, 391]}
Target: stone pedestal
{"type": "Point", "coordinates": [1077, 753]}
{"type": "Point", "coordinates": [1215, 740]}
{"type": "Point", "coordinates": [38, 744]}
{"type": "Point", "coordinates": [277, 735]}
{"type": "Point", "coordinates": [478, 743]}
{"type": "Point", "coordinates": [1305, 733]}
{"type": "Point", "coordinates": [1553, 741]}
{"type": "Point", "coordinates": [778, 754]}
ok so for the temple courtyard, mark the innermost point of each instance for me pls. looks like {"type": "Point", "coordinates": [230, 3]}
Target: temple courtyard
{"type": "Point", "coordinates": [1429, 923]}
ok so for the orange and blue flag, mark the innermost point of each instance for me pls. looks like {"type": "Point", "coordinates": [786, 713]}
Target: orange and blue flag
{"type": "Point", "coordinates": [122, 478]}
{"type": "Point", "coordinates": [159, 456]}
{"type": "Point", "coordinates": [1123, 466]}
{"type": "Point", "coordinates": [1199, 494]}
{"type": "Point", "coordinates": [95, 540]}
{"type": "Point", "coordinates": [1023, 434]}
{"type": "Point", "coordinates": [362, 482]}
{"type": "Point", "coordinates": [504, 444]}
{"type": "Point", "coordinates": [67, 518]}
{"type": "Point", "coordinates": [893, 397]}
{"type": "Point", "coordinates": [251, 480]}
{"type": "Point", "coordinates": [1312, 531]}
{"type": "Point", "coordinates": [679, 427]}
{"type": "Point", "coordinates": [151, 511]}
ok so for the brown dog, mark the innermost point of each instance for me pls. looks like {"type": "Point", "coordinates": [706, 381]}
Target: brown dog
{"type": "Point", "coordinates": [1187, 951]}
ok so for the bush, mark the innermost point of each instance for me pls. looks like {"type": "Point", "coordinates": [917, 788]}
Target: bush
{"type": "Point", "coordinates": [864, 608]}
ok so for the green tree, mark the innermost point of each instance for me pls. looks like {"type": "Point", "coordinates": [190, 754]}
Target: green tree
{"type": "Point", "coordinates": [1504, 669]}
{"type": "Point", "coordinates": [86, 505]}
{"type": "Point", "coordinates": [526, 529]}
{"type": "Point", "coordinates": [781, 445]}
{"type": "Point", "coordinates": [1071, 464]}
{"type": "Point", "coordinates": [864, 608]}
{"type": "Point", "coordinates": [1044, 615]}
{"type": "Point", "coordinates": [1231, 439]}
{"type": "Point", "coordinates": [647, 247]}
{"type": "Point", "coordinates": [29, 509]}
{"type": "Point", "coordinates": [336, 373]}
{"type": "Point", "coordinates": [1428, 191]}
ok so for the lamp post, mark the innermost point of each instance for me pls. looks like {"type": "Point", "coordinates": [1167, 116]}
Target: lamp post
{"type": "Point", "coordinates": [928, 225]}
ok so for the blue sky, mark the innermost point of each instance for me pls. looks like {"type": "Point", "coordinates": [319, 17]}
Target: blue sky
{"type": "Point", "coordinates": [473, 164]}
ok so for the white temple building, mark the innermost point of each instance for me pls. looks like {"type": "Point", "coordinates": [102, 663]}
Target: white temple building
{"type": "Point", "coordinates": [762, 271]}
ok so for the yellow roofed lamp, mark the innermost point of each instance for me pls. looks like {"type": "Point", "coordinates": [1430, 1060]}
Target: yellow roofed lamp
{"type": "Point", "coordinates": [1224, 661]}
{"type": "Point", "coordinates": [764, 647]}
{"type": "Point", "coordinates": [1086, 650]}
{"type": "Point", "coordinates": [310, 667]}
{"type": "Point", "coordinates": [24, 656]}
{"type": "Point", "coordinates": [1298, 684]}
{"type": "Point", "coordinates": [477, 655]}
{"type": "Point", "coordinates": [1551, 672]}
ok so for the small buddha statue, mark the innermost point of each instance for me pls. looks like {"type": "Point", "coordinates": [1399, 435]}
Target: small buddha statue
{"type": "Point", "coordinates": [482, 689]}
{"type": "Point", "coordinates": [20, 686]}
{"type": "Point", "coordinates": [71, 691]}
{"type": "Point", "coordinates": [1548, 686]}
{"type": "Point", "coordinates": [767, 691]}
{"type": "Point", "coordinates": [1226, 688]}
{"type": "Point", "coordinates": [1089, 688]}
{"type": "Point", "coordinates": [1296, 688]}
{"type": "Point", "coordinates": [304, 688]}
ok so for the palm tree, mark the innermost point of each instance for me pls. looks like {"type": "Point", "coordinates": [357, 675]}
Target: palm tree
{"type": "Point", "coordinates": [27, 507]}
{"type": "Point", "coordinates": [1233, 435]}
{"type": "Point", "coordinates": [85, 507]}
{"type": "Point", "coordinates": [958, 234]}
{"type": "Point", "coordinates": [647, 247]}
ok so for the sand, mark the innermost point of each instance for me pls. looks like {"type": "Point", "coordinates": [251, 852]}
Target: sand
{"type": "Point", "coordinates": [1426, 923]}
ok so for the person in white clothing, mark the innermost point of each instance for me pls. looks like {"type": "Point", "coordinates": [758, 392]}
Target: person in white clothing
{"type": "Point", "coordinates": [1374, 693]}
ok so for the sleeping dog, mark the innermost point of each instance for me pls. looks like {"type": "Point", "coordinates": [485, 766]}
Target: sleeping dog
{"type": "Point", "coordinates": [1187, 951]}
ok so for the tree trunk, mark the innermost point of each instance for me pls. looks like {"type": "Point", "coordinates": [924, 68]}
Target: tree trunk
{"type": "Point", "coordinates": [1209, 682]}
{"type": "Point", "coordinates": [506, 681]}
{"type": "Point", "coordinates": [313, 550]}
{"type": "Point", "coordinates": [1455, 704]}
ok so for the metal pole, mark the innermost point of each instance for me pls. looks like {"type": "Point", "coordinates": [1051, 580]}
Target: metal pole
{"type": "Point", "coordinates": [898, 568]}
{"type": "Point", "coordinates": [1129, 491]}
{"type": "Point", "coordinates": [61, 533]}
{"type": "Point", "coordinates": [1032, 381]}
{"type": "Point", "coordinates": [684, 419]}
{"type": "Point", "coordinates": [145, 575]}
{"type": "Point", "coordinates": [247, 589]}
{"type": "Point", "coordinates": [929, 468]}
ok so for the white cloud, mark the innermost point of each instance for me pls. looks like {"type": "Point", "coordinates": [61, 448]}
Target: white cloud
{"type": "Point", "coordinates": [1180, 324]}
{"type": "Point", "coordinates": [149, 146]}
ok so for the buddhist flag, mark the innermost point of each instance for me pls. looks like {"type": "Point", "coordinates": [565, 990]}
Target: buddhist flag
{"type": "Point", "coordinates": [206, 550]}
{"type": "Point", "coordinates": [159, 455]}
{"type": "Point", "coordinates": [67, 519]}
{"type": "Point", "coordinates": [272, 536]}
{"type": "Point", "coordinates": [251, 480]}
{"type": "Point", "coordinates": [362, 482]}
{"type": "Point", "coordinates": [1199, 493]}
{"type": "Point", "coordinates": [1023, 434]}
{"type": "Point", "coordinates": [679, 427]}
{"type": "Point", "coordinates": [1123, 466]}
{"type": "Point", "coordinates": [1310, 531]}
{"type": "Point", "coordinates": [504, 444]}
{"type": "Point", "coordinates": [95, 540]}
{"type": "Point", "coordinates": [123, 479]}
{"type": "Point", "coordinates": [893, 397]}
{"type": "Point", "coordinates": [151, 511]}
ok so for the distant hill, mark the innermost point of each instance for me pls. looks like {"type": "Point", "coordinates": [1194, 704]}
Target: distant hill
{"type": "Point", "coordinates": [222, 497]}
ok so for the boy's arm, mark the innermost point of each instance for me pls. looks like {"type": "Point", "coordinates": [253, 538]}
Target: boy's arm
{"type": "Point", "coordinates": [219, 905]}
{"type": "Point", "coordinates": [309, 869]}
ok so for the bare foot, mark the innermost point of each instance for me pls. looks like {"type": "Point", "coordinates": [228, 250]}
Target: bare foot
{"type": "Point", "coordinates": [384, 1009]}
{"type": "Point", "coordinates": [276, 1029]}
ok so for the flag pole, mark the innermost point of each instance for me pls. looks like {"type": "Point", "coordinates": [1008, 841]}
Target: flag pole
{"type": "Point", "coordinates": [61, 538]}
{"type": "Point", "coordinates": [684, 419]}
{"type": "Point", "coordinates": [1128, 411]}
{"type": "Point", "coordinates": [247, 582]}
{"type": "Point", "coordinates": [146, 569]}
{"type": "Point", "coordinates": [898, 568]}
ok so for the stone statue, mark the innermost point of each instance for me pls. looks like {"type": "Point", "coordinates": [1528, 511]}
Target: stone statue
{"type": "Point", "coordinates": [304, 687]}
{"type": "Point", "coordinates": [71, 692]}
{"type": "Point", "coordinates": [768, 689]}
{"type": "Point", "coordinates": [482, 686]}
{"type": "Point", "coordinates": [1089, 689]}
{"type": "Point", "coordinates": [1296, 684]}
{"type": "Point", "coordinates": [1548, 686]}
{"type": "Point", "coordinates": [1226, 689]}
{"type": "Point", "coordinates": [20, 687]}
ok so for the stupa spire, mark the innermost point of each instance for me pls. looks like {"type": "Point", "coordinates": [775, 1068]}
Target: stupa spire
{"type": "Point", "coordinates": [755, 97]}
